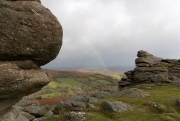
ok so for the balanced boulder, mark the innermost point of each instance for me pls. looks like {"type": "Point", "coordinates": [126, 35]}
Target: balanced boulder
{"type": "Point", "coordinates": [28, 31]}
{"type": "Point", "coordinates": [30, 36]}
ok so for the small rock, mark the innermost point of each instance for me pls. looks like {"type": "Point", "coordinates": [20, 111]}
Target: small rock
{"type": "Point", "coordinates": [116, 107]}
{"type": "Point", "coordinates": [141, 86]}
{"type": "Point", "coordinates": [74, 116]}
{"type": "Point", "coordinates": [132, 92]}
{"type": "Point", "coordinates": [178, 101]}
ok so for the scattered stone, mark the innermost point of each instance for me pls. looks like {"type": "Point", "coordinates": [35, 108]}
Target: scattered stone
{"type": "Point", "coordinates": [178, 101]}
{"type": "Point", "coordinates": [161, 108]}
{"type": "Point", "coordinates": [37, 111]}
{"type": "Point", "coordinates": [116, 107]}
{"type": "Point", "coordinates": [74, 116]}
{"type": "Point", "coordinates": [177, 82]}
{"type": "Point", "coordinates": [80, 98]}
{"type": "Point", "coordinates": [132, 92]}
{"type": "Point", "coordinates": [92, 106]}
{"type": "Point", "coordinates": [93, 100]}
{"type": "Point", "coordinates": [141, 86]}
{"type": "Point", "coordinates": [100, 94]}
{"type": "Point", "coordinates": [69, 106]}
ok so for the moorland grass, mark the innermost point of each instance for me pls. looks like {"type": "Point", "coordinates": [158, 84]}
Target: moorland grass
{"type": "Point", "coordinates": [103, 81]}
{"type": "Point", "coordinates": [165, 95]}
{"type": "Point", "coordinates": [69, 82]}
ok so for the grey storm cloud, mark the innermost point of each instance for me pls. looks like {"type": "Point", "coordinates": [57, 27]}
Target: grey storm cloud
{"type": "Point", "coordinates": [110, 32]}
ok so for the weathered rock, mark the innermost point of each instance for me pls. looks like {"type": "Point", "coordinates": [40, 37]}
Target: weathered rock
{"type": "Point", "coordinates": [89, 105]}
{"type": "Point", "coordinates": [176, 82]}
{"type": "Point", "coordinates": [178, 101]}
{"type": "Point", "coordinates": [159, 78]}
{"type": "Point", "coordinates": [26, 0]}
{"type": "Point", "coordinates": [147, 58]}
{"type": "Point", "coordinates": [93, 100]}
{"type": "Point", "coordinates": [28, 31]}
{"type": "Point", "coordinates": [161, 108]}
{"type": "Point", "coordinates": [141, 86]}
{"type": "Point", "coordinates": [27, 101]}
{"type": "Point", "coordinates": [16, 83]}
{"type": "Point", "coordinates": [74, 116]}
{"type": "Point", "coordinates": [142, 74]}
{"type": "Point", "coordinates": [142, 65]}
{"type": "Point", "coordinates": [100, 94]}
{"type": "Point", "coordinates": [80, 98]}
{"type": "Point", "coordinates": [116, 107]}
{"type": "Point", "coordinates": [143, 53]}
{"type": "Point", "coordinates": [37, 111]}
{"type": "Point", "coordinates": [132, 92]}
{"type": "Point", "coordinates": [69, 106]}
{"type": "Point", "coordinates": [169, 60]}
{"type": "Point", "coordinates": [17, 115]}
{"type": "Point", "coordinates": [123, 84]}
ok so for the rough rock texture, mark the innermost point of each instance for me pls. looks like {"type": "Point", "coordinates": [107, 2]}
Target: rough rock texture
{"type": "Point", "coordinates": [16, 83]}
{"type": "Point", "coordinates": [74, 116]}
{"type": "Point", "coordinates": [152, 69]}
{"type": "Point", "coordinates": [116, 107]}
{"type": "Point", "coordinates": [30, 36]}
{"type": "Point", "coordinates": [69, 106]}
{"type": "Point", "coordinates": [132, 92]}
{"type": "Point", "coordinates": [28, 31]}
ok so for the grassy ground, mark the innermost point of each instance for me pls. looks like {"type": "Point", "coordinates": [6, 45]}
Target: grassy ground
{"type": "Point", "coordinates": [143, 111]}
{"type": "Point", "coordinates": [69, 82]}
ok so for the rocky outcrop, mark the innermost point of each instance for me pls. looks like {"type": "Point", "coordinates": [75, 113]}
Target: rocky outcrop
{"type": "Point", "coordinates": [150, 68]}
{"type": "Point", "coordinates": [30, 36]}
{"type": "Point", "coordinates": [29, 31]}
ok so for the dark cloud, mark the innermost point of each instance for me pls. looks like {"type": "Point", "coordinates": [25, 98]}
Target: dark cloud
{"type": "Point", "coordinates": [110, 32]}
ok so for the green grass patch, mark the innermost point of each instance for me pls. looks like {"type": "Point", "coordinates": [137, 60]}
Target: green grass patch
{"type": "Point", "coordinates": [92, 78]}
{"type": "Point", "coordinates": [164, 95]}
{"type": "Point", "coordinates": [47, 95]}
{"type": "Point", "coordinates": [52, 84]}
{"type": "Point", "coordinates": [69, 82]}
{"type": "Point", "coordinates": [103, 81]}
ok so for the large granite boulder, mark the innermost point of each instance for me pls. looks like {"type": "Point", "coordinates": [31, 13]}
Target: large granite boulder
{"type": "Point", "coordinates": [146, 59]}
{"type": "Point", "coordinates": [16, 83]}
{"type": "Point", "coordinates": [30, 36]}
{"type": "Point", "coordinates": [28, 31]}
{"type": "Point", "coordinates": [116, 107]}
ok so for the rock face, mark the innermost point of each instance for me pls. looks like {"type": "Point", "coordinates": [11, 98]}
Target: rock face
{"type": "Point", "coordinates": [30, 36]}
{"type": "Point", "coordinates": [152, 69]}
{"type": "Point", "coordinates": [28, 31]}
{"type": "Point", "coordinates": [116, 107]}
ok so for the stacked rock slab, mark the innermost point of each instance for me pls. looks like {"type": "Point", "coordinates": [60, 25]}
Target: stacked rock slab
{"type": "Point", "coordinates": [150, 68]}
{"type": "Point", "coordinates": [30, 36]}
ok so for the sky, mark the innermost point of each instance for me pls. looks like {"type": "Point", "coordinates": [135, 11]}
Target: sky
{"type": "Point", "coordinates": [108, 33]}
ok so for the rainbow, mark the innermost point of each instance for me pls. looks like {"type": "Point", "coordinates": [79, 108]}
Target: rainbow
{"type": "Point", "coordinates": [95, 51]}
